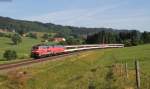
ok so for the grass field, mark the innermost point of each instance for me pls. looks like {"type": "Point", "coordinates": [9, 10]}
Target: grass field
{"type": "Point", "coordinates": [99, 69]}
{"type": "Point", "coordinates": [22, 49]}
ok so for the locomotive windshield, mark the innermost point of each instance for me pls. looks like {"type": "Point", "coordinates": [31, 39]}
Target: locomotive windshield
{"type": "Point", "coordinates": [35, 47]}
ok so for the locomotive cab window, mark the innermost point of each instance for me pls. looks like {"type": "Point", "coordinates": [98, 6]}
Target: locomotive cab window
{"type": "Point", "coordinates": [35, 47]}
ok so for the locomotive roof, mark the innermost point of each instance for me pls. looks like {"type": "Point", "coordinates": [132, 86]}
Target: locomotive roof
{"type": "Point", "coordinates": [43, 45]}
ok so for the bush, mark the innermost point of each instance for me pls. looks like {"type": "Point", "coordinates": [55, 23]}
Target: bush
{"type": "Point", "coordinates": [5, 35]}
{"type": "Point", "coordinates": [10, 54]}
{"type": "Point", "coordinates": [2, 34]}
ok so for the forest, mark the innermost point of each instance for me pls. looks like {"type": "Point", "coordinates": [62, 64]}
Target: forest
{"type": "Point", "coordinates": [129, 38]}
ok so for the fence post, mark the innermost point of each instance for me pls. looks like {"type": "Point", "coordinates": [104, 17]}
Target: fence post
{"type": "Point", "coordinates": [137, 68]}
{"type": "Point", "coordinates": [126, 70]}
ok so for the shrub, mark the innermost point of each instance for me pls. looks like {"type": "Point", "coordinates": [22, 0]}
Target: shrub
{"type": "Point", "coordinates": [2, 34]}
{"type": "Point", "coordinates": [8, 35]}
{"type": "Point", "coordinates": [10, 54]}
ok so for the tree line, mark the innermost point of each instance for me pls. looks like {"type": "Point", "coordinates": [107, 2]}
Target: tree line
{"type": "Point", "coordinates": [129, 38]}
{"type": "Point", "coordinates": [22, 26]}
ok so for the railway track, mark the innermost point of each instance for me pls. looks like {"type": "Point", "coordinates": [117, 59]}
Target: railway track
{"type": "Point", "coordinates": [31, 61]}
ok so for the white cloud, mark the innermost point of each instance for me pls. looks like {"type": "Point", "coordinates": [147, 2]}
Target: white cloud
{"type": "Point", "coordinates": [70, 15]}
{"type": "Point", "coordinates": [104, 16]}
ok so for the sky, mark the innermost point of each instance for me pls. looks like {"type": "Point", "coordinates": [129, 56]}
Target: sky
{"type": "Point", "coordinates": [118, 14]}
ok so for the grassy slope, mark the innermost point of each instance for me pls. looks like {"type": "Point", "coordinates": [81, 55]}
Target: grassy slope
{"type": "Point", "coordinates": [23, 49]}
{"type": "Point", "coordinates": [88, 68]}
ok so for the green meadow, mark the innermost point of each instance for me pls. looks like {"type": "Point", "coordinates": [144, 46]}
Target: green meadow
{"type": "Point", "coordinates": [23, 49]}
{"type": "Point", "coordinates": [97, 69]}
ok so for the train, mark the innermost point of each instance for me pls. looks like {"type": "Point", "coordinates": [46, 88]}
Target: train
{"type": "Point", "coordinates": [43, 50]}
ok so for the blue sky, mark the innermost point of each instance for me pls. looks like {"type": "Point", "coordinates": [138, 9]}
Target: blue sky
{"type": "Point", "coordinates": [120, 14]}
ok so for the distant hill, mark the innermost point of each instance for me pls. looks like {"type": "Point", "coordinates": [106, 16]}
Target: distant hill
{"type": "Point", "coordinates": [17, 25]}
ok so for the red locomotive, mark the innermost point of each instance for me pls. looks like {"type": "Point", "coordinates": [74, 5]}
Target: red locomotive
{"type": "Point", "coordinates": [46, 50]}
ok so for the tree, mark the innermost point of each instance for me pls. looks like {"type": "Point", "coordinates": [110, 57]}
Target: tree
{"type": "Point", "coordinates": [73, 41]}
{"type": "Point", "coordinates": [16, 39]}
{"type": "Point", "coordinates": [135, 37]}
{"type": "Point", "coordinates": [10, 54]}
{"type": "Point", "coordinates": [32, 35]}
{"type": "Point", "coordinates": [21, 32]}
{"type": "Point", "coordinates": [145, 37]}
{"type": "Point", "coordinates": [127, 43]}
{"type": "Point", "coordinates": [102, 37]}
{"type": "Point", "coordinates": [45, 36]}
